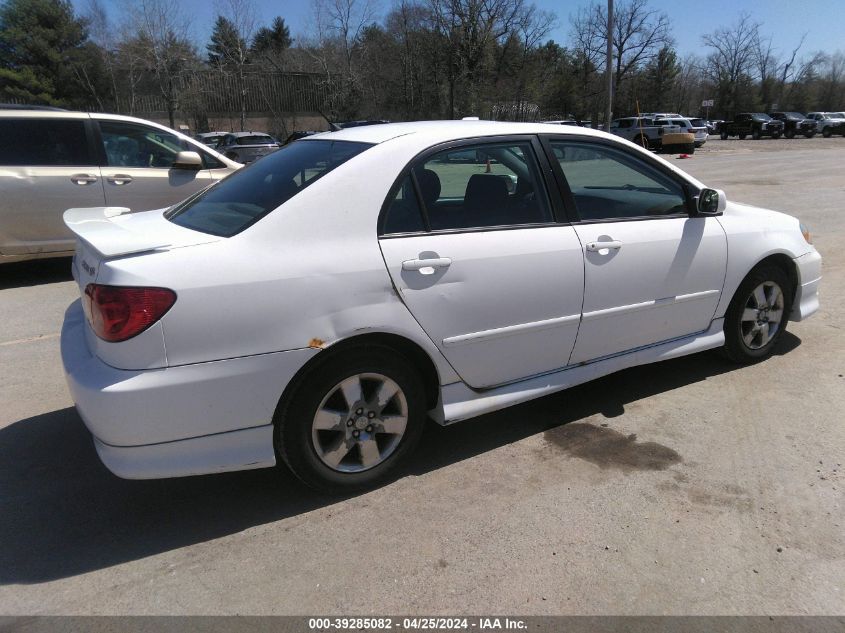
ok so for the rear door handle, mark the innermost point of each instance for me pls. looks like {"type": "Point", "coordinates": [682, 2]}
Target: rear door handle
{"type": "Point", "coordinates": [600, 246]}
{"type": "Point", "coordinates": [83, 179]}
{"type": "Point", "coordinates": [120, 179]}
{"type": "Point", "coordinates": [422, 264]}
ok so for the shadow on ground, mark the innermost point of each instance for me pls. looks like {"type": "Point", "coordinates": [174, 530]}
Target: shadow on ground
{"type": "Point", "coordinates": [35, 273]}
{"type": "Point", "coordinates": [64, 514]}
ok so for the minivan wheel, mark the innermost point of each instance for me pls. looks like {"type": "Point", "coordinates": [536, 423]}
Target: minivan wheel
{"type": "Point", "coordinates": [352, 420]}
{"type": "Point", "coordinates": [757, 315]}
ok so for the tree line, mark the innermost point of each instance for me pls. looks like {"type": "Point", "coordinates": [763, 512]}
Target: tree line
{"type": "Point", "coordinates": [419, 59]}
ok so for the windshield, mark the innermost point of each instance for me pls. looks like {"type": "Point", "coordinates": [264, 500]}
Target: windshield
{"type": "Point", "coordinates": [759, 116]}
{"type": "Point", "coordinates": [249, 194]}
{"type": "Point", "coordinates": [698, 122]}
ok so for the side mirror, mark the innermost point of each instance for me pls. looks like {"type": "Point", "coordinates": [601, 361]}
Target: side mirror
{"type": "Point", "coordinates": [187, 160]}
{"type": "Point", "coordinates": [711, 202]}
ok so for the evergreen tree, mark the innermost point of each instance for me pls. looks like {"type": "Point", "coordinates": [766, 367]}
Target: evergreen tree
{"type": "Point", "coordinates": [273, 40]}
{"type": "Point", "coordinates": [41, 42]}
{"type": "Point", "coordinates": [226, 46]}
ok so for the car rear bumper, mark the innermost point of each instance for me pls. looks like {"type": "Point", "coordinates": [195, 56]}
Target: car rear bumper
{"type": "Point", "coordinates": [175, 421]}
{"type": "Point", "coordinates": [807, 294]}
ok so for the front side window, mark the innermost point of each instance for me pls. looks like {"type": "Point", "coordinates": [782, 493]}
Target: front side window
{"type": "Point", "coordinates": [249, 194]}
{"type": "Point", "coordinates": [608, 183]}
{"type": "Point", "coordinates": [481, 186]}
{"type": "Point", "coordinates": [44, 143]}
{"type": "Point", "coordinates": [134, 145]}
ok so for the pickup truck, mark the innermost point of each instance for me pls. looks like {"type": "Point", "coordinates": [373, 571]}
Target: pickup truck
{"type": "Point", "coordinates": [756, 124]}
{"type": "Point", "coordinates": [828, 123]}
{"type": "Point", "coordinates": [795, 123]}
{"type": "Point", "coordinates": [642, 131]}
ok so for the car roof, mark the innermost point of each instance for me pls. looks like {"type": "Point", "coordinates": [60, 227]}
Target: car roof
{"type": "Point", "coordinates": [240, 134]}
{"type": "Point", "coordinates": [432, 132]}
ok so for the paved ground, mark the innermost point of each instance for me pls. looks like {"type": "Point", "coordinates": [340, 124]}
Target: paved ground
{"type": "Point", "coordinates": [685, 487]}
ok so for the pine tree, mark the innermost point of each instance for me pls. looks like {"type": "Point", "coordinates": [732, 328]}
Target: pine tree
{"type": "Point", "coordinates": [272, 40]}
{"type": "Point", "coordinates": [226, 46]}
{"type": "Point", "coordinates": [41, 41]}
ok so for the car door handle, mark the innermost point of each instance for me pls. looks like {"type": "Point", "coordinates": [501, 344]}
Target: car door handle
{"type": "Point", "coordinates": [599, 246]}
{"type": "Point", "coordinates": [420, 264]}
{"type": "Point", "coordinates": [83, 179]}
{"type": "Point", "coordinates": [120, 179]}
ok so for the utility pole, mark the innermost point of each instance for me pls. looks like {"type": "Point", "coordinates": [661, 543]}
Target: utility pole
{"type": "Point", "coordinates": [609, 65]}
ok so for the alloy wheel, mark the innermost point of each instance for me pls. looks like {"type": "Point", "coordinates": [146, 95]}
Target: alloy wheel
{"type": "Point", "coordinates": [359, 423]}
{"type": "Point", "coordinates": [761, 318]}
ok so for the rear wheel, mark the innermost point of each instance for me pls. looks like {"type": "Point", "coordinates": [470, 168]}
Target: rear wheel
{"type": "Point", "coordinates": [352, 420]}
{"type": "Point", "coordinates": [757, 315]}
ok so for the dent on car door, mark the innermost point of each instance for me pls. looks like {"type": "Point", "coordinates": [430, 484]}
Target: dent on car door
{"type": "Point", "coordinates": [137, 169]}
{"type": "Point", "coordinates": [652, 272]}
{"type": "Point", "coordinates": [473, 249]}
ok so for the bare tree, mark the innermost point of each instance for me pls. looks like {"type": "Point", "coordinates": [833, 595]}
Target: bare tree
{"type": "Point", "coordinates": [639, 33]}
{"type": "Point", "coordinates": [732, 58]}
{"type": "Point", "coordinates": [240, 15]}
{"type": "Point", "coordinates": [162, 34]}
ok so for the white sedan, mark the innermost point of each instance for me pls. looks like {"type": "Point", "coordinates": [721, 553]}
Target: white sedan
{"type": "Point", "coordinates": [317, 306]}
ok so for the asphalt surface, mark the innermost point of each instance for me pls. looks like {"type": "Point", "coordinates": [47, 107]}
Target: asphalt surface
{"type": "Point", "coordinates": [686, 487]}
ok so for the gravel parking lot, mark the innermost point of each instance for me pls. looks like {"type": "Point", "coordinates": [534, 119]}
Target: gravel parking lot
{"type": "Point", "coordinates": [686, 487]}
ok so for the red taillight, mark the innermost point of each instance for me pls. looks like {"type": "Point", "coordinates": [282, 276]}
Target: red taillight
{"type": "Point", "coordinates": [118, 313]}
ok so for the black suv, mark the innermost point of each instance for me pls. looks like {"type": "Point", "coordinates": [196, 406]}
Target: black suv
{"type": "Point", "coordinates": [756, 124]}
{"type": "Point", "coordinates": [795, 123]}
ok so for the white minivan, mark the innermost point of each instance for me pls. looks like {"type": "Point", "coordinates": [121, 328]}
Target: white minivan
{"type": "Point", "coordinates": [51, 160]}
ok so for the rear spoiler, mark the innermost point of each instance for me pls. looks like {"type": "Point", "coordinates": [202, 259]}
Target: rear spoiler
{"type": "Point", "coordinates": [95, 226]}
{"type": "Point", "coordinates": [113, 231]}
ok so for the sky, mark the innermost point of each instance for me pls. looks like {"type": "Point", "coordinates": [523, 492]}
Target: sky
{"type": "Point", "coordinates": [785, 21]}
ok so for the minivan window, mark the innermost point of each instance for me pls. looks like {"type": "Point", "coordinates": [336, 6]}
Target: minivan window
{"type": "Point", "coordinates": [133, 145]}
{"type": "Point", "coordinates": [249, 194]}
{"type": "Point", "coordinates": [44, 143]}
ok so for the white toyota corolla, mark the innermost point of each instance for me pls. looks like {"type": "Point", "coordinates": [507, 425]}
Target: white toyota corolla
{"type": "Point", "coordinates": [317, 306]}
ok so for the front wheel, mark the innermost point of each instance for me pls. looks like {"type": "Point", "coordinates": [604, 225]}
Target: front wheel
{"type": "Point", "coordinates": [352, 420]}
{"type": "Point", "coordinates": [724, 136]}
{"type": "Point", "coordinates": [757, 315]}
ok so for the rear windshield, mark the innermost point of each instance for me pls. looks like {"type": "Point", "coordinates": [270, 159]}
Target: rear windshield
{"type": "Point", "coordinates": [697, 122]}
{"type": "Point", "coordinates": [252, 192]}
{"type": "Point", "coordinates": [256, 139]}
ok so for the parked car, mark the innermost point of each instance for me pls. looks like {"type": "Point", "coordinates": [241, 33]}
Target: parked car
{"type": "Point", "coordinates": [828, 123]}
{"type": "Point", "coordinates": [714, 125]}
{"type": "Point", "coordinates": [698, 129]}
{"type": "Point", "coordinates": [571, 122]}
{"type": "Point", "coordinates": [755, 124]}
{"type": "Point", "coordinates": [346, 124]}
{"type": "Point", "coordinates": [319, 305]}
{"type": "Point", "coordinates": [53, 159]}
{"type": "Point", "coordinates": [795, 123]}
{"type": "Point", "coordinates": [246, 147]}
{"type": "Point", "coordinates": [212, 139]}
{"type": "Point", "coordinates": [641, 131]}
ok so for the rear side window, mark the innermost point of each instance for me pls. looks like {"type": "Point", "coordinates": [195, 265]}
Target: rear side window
{"type": "Point", "coordinates": [249, 194]}
{"type": "Point", "coordinates": [44, 143]}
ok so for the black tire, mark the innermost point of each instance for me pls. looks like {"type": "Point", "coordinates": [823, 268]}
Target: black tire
{"type": "Point", "coordinates": [789, 134]}
{"type": "Point", "coordinates": [724, 136]}
{"type": "Point", "coordinates": [776, 135]}
{"type": "Point", "coordinates": [809, 134]}
{"type": "Point", "coordinates": [736, 348]}
{"type": "Point", "coordinates": [826, 132]}
{"type": "Point", "coordinates": [755, 134]}
{"type": "Point", "coordinates": [295, 415]}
